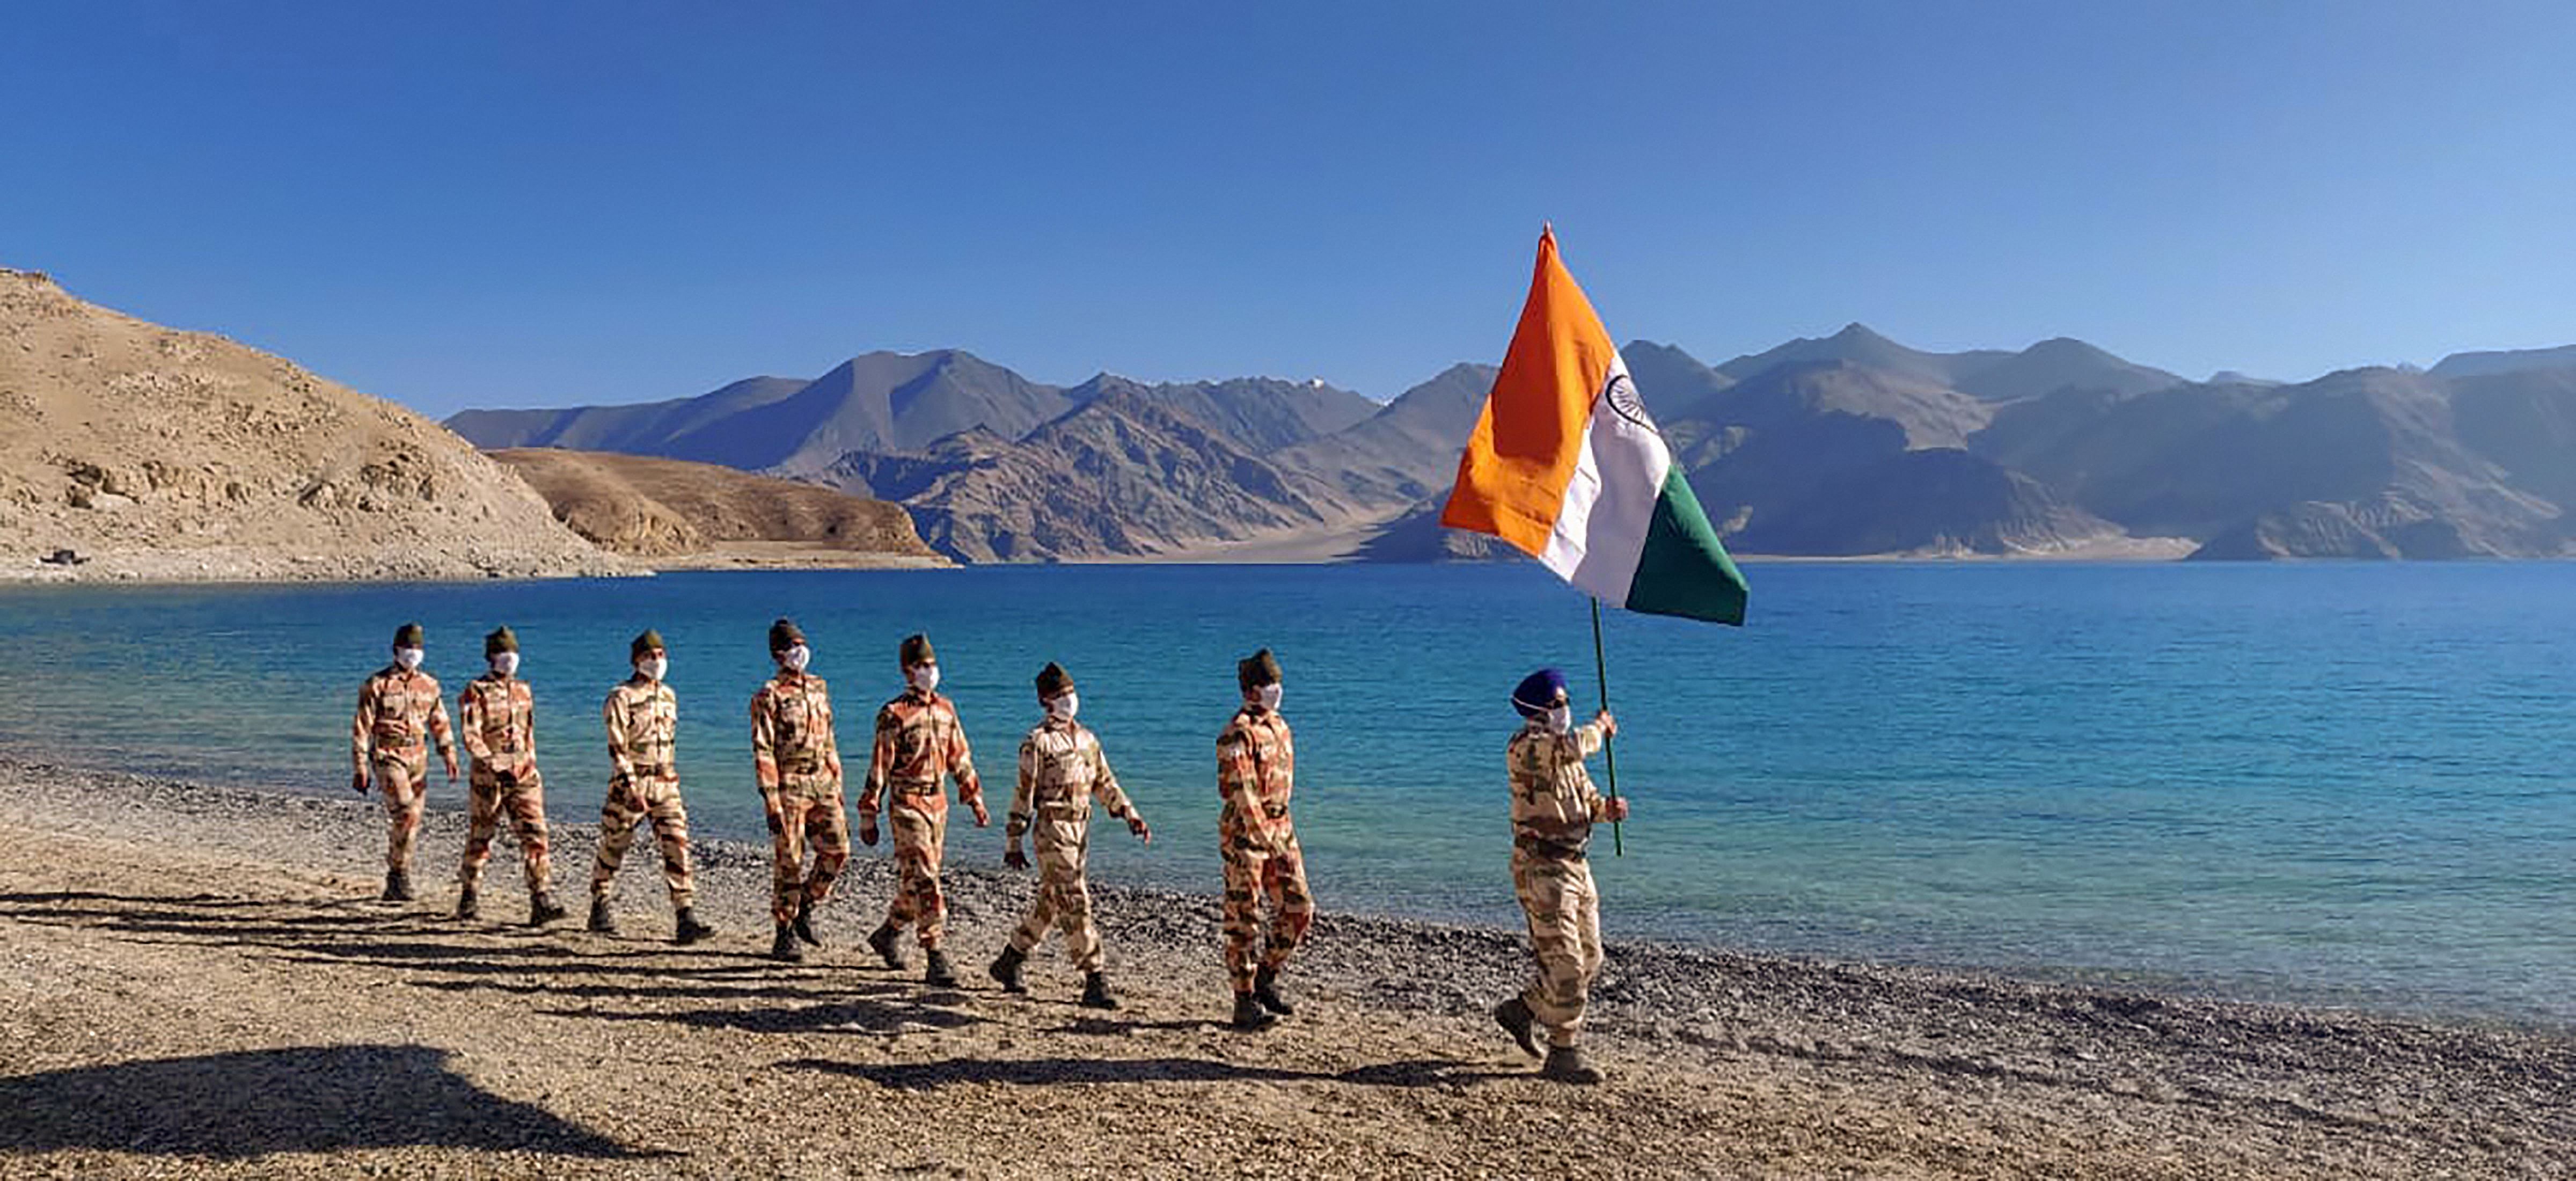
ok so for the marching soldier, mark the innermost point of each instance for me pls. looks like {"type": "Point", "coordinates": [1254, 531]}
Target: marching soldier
{"type": "Point", "coordinates": [1061, 771]}
{"type": "Point", "coordinates": [399, 710]}
{"type": "Point", "coordinates": [1256, 770]}
{"type": "Point", "coordinates": [918, 740]}
{"type": "Point", "coordinates": [499, 716]}
{"type": "Point", "coordinates": [797, 761]}
{"type": "Point", "coordinates": [1554, 807]}
{"type": "Point", "coordinates": [644, 785]}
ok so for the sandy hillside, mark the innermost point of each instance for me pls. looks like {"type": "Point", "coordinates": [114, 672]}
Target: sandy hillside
{"type": "Point", "coordinates": [674, 512]}
{"type": "Point", "coordinates": [166, 454]}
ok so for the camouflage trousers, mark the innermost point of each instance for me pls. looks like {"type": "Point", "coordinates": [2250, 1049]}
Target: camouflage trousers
{"type": "Point", "coordinates": [524, 806]}
{"type": "Point", "coordinates": [404, 783]}
{"type": "Point", "coordinates": [1064, 896]}
{"type": "Point", "coordinates": [918, 841]}
{"type": "Point", "coordinates": [815, 821]}
{"type": "Point", "coordinates": [1565, 938]}
{"type": "Point", "coordinates": [637, 801]}
{"type": "Point", "coordinates": [1254, 869]}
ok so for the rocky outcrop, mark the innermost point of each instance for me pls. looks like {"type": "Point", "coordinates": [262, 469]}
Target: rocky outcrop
{"type": "Point", "coordinates": [666, 508]}
{"type": "Point", "coordinates": [157, 453]}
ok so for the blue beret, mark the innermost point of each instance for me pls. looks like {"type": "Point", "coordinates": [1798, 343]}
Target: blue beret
{"type": "Point", "coordinates": [1537, 692]}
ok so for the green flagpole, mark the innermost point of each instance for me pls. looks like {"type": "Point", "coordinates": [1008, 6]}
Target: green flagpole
{"type": "Point", "coordinates": [1601, 673]}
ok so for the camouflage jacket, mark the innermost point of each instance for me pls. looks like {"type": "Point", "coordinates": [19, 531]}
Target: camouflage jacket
{"type": "Point", "coordinates": [792, 743]}
{"type": "Point", "coordinates": [397, 712]}
{"type": "Point", "coordinates": [1256, 771]}
{"type": "Point", "coordinates": [1553, 801]}
{"type": "Point", "coordinates": [498, 719]}
{"type": "Point", "coordinates": [918, 740]}
{"type": "Point", "coordinates": [1062, 770]}
{"type": "Point", "coordinates": [643, 720]}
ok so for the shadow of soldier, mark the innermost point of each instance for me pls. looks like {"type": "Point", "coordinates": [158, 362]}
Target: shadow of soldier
{"type": "Point", "coordinates": [304, 1099]}
{"type": "Point", "coordinates": [1042, 1072]}
{"type": "Point", "coordinates": [846, 1016]}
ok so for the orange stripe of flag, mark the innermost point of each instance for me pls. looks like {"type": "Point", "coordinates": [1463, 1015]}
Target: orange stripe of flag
{"type": "Point", "coordinates": [1512, 479]}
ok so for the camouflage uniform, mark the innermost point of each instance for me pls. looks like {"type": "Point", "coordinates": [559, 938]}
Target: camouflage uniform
{"type": "Point", "coordinates": [798, 763]}
{"type": "Point", "coordinates": [398, 713]}
{"type": "Point", "coordinates": [1256, 769]}
{"type": "Point", "coordinates": [1061, 771]}
{"type": "Point", "coordinates": [1554, 806]}
{"type": "Point", "coordinates": [500, 731]}
{"type": "Point", "coordinates": [642, 717]}
{"type": "Point", "coordinates": [918, 740]}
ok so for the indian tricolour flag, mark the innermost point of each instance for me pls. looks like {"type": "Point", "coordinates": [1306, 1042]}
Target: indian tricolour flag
{"type": "Point", "coordinates": [1566, 466]}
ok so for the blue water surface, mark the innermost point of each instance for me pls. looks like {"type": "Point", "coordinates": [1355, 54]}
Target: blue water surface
{"type": "Point", "coordinates": [2325, 783]}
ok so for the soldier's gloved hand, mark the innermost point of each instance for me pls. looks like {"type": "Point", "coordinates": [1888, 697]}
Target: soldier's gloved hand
{"type": "Point", "coordinates": [1015, 859]}
{"type": "Point", "coordinates": [867, 828]}
{"type": "Point", "coordinates": [983, 819]}
{"type": "Point", "coordinates": [1615, 809]}
{"type": "Point", "coordinates": [358, 782]}
{"type": "Point", "coordinates": [1136, 824]}
{"type": "Point", "coordinates": [449, 757]}
{"type": "Point", "coordinates": [774, 824]}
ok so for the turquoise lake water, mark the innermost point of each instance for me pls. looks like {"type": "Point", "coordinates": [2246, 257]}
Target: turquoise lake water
{"type": "Point", "coordinates": [2322, 783]}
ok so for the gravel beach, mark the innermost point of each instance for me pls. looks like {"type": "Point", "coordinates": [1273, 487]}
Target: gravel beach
{"type": "Point", "coordinates": [196, 981]}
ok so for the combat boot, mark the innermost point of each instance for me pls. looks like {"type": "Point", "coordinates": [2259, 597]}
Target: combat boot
{"type": "Point", "coordinates": [882, 940]}
{"type": "Point", "coordinates": [1249, 1016]}
{"type": "Point", "coordinates": [1095, 992]}
{"type": "Point", "coordinates": [398, 886]}
{"type": "Point", "coordinates": [467, 906]}
{"type": "Point", "coordinates": [1516, 1019]}
{"type": "Point", "coordinates": [687, 929]}
{"type": "Point", "coordinates": [1265, 989]}
{"type": "Point", "coordinates": [804, 924]}
{"type": "Point", "coordinates": [1006, 968]}
{"type": "Point", "coordinates": [784, 948]}
{"type": "Point", "coordinates": [543, 909]}
{"type": "Point", "coordinates": [603, 921]}
{"type": "Point", "coordinates": [936, 971]}
{"type": "Point", "coordinates": [1565, 1064]}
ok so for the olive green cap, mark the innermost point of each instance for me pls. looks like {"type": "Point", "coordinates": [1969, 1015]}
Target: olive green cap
{"type": "Point", "coordinates": [650, 641]}
{"type": "Point", "coordinates": [916, 650]}
{"type": "Point", "coordinates": [501, 640]}
{"type": "Point", "coordinates": [1260, 668]}
{"type": "Point", "coordinates": [1053, 680]}
{"type": "Point", "coordinates": [784, 635]}
{"type": "Point", "coordinates": [407, 636]}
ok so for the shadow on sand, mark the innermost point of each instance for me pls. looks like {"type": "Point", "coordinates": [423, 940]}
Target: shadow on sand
{"type": "Point", "coordinates": [314, 1099]}
{"type": "Point", "coordinates": [1041, 1072]}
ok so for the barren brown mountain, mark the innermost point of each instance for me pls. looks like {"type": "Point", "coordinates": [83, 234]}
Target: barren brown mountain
{"type": "Point", "coordinates": [704, 514]}
{"type": "Point", "coordinates": [156, 453]}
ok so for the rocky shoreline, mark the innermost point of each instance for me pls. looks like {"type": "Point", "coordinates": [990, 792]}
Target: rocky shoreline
{"type": "Point", "coordinates": [1723, 1064]}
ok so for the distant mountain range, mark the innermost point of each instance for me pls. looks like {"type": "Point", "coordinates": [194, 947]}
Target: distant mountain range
{"type": "Point", "coordinates": [1846, 445]}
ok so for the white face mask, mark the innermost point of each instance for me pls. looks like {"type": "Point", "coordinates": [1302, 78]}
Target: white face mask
{"type": "Point", "coordinates": [408, 658]}
{"type": "Point", "coordinates": [796, 658]}
{"type": "Point", "coordinates": [1560, 718]}
{"type": "Point", "coordinates": [505, 663]}
{"type": "Point", "coordinates": [1063, 706]}
{"type": "Point", "coordinates": [653, 667]}
{"type": "Point", "coordinates": [924, 677]}
{"type": "Point", "coordinates": [1267, 695]}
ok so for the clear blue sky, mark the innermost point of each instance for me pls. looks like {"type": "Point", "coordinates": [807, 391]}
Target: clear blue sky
{"type": "Point", "coordinates": [480, 204]}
